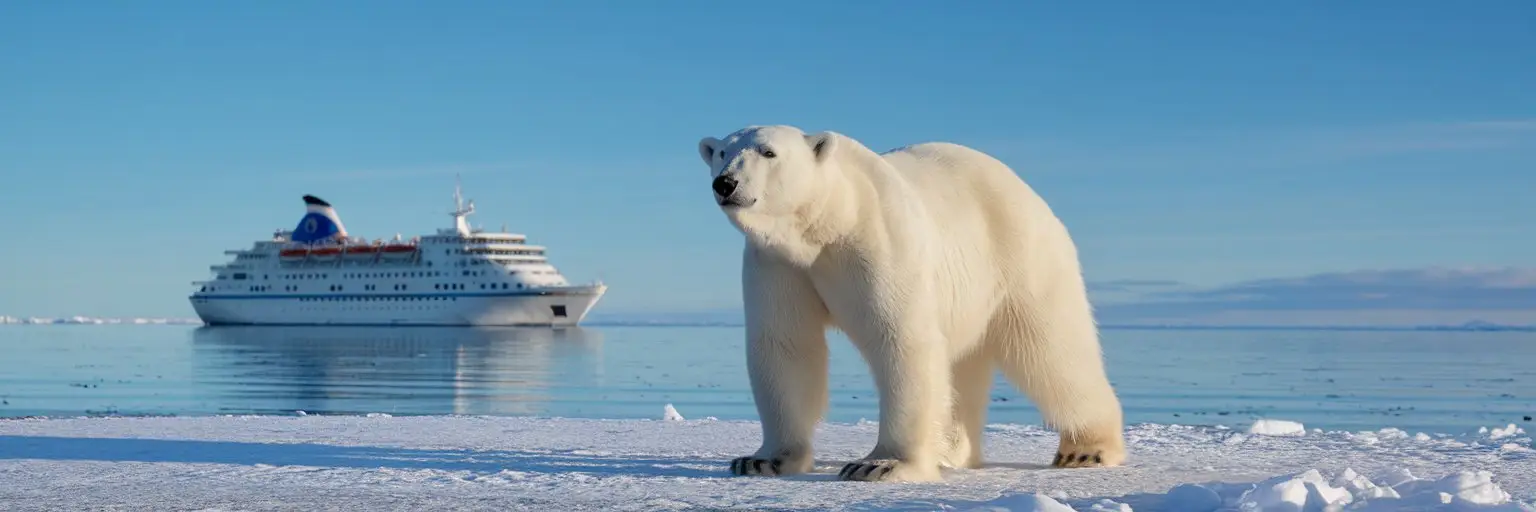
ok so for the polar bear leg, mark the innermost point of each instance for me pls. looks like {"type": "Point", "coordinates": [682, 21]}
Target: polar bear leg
{"type": "Point", "coordinates": [972, 380]}
{"type": "Point", "coordinates": [786, 364]}
{"type": "Point", "coordinates": [1053, 357]}
{"type": "Point", "coordinates": [913, 380]}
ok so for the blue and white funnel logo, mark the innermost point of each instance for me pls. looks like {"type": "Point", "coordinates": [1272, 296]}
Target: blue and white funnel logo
{"type": "Point", "coordinates": [319, 224]}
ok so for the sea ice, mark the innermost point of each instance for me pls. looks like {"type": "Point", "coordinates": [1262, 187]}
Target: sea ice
{"type": "Point", "coordinates": [458, 462]}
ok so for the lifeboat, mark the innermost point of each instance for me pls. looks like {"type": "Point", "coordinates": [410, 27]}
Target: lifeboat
{"type": "Point", "coordinates": [293, 254]}
{"type": "Point", "coordinates": [326, 253]}
{"type": "Point", "coordinates": [360, 252]}
{"type": "Point", "coordinates": [397, 251]}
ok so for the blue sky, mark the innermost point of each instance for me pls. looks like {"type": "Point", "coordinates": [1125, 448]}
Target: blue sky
{"type": "Point", "coordinates": [1206, 144]}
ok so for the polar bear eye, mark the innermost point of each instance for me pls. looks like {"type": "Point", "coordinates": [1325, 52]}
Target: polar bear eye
{"type": "Point", "coordinates": [768, 153]}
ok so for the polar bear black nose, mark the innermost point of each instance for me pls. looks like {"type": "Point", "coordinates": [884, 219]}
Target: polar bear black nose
{"type": "Point", "coordinates": [724, 185]}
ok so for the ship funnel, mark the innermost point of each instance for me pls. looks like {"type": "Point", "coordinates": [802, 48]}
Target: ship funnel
{"type": "Point", "coordinates": [319, 222]}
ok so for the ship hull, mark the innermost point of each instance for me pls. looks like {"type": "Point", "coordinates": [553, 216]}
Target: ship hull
{"type": "Point", "coordinates": [553, 306]}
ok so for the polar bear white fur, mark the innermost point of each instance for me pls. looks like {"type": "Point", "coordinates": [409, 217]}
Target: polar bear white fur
{"type": "Point", "coordinates": [940, 264]}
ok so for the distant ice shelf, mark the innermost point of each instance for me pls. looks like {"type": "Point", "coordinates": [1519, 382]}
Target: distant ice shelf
{"type": "Point", "coordinates": [87, 320]}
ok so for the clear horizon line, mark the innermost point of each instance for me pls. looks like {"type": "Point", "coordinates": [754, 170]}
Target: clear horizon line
{"type": "Point", "coordinates": [661, 322]}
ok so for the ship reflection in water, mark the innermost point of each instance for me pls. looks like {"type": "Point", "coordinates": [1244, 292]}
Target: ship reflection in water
{"type": "Point", "coordinates": [395, 370]}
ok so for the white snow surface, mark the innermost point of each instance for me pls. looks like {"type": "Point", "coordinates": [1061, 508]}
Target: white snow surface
{"type": "Point", "coordinates": [382, 462]}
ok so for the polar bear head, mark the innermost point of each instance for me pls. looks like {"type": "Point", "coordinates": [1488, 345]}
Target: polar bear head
{"type": "Point", "coordinates": [781, 187]}
{"type": "Point", "coordinates": [768, 170]}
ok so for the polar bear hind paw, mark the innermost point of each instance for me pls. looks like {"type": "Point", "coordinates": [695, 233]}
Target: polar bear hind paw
{"type": "Point", "coordinates": [745, 466]}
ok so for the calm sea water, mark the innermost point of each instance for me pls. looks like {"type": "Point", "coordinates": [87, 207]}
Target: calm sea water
{"type": "Point", "coordinates": [1419, 381]}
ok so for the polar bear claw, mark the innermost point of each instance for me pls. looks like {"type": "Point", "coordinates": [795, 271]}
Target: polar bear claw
{"type": "Point", "coordinates": [756, 466]}
{"type": "Point", "coordinates": [867, 470]}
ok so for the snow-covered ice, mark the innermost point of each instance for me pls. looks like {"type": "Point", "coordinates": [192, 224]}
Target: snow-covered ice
{"type": "Point", "coordinates": [1272, 427]}
{"type": "Point", "coordinates": [509, 463]}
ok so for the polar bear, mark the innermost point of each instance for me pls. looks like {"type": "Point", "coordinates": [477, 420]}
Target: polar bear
{"type": "Point", "coordinates": [939, 264]}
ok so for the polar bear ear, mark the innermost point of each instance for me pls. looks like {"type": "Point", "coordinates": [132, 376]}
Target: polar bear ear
{"type": "Point", "coordinates": [707, 149]}
{"type": "Point", "coordinates": [822, 145]}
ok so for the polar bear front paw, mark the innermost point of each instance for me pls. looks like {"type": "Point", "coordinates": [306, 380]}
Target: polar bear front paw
{"type": "Point", "coordinates": [744, 466]}
{"type": "Point", "coordinates": [775, 466]}
{"type": "Point", "coordinates": [1090, 449]}
{"type": "Point", "coordinates": [867, 470]}
{"type": "Point", "coordinates": [886, 470]}
{"type": "Point", "coordinates": [1078, 459]}
{"type": "Point", "coordinates": [1088, 456]}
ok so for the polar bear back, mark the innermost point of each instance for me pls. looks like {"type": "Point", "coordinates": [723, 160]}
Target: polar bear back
{"type": "Point", "coordinates": [985, 241]}
{"type": "Point", "coordinates": [982, 206]}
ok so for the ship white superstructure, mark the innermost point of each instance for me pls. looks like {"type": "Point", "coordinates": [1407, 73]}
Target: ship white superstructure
{"type": "Point", "coordinates": [316, 274]}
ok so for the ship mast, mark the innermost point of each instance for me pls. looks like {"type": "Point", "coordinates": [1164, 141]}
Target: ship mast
{"type": "Point", "coordinates": [460, 210]}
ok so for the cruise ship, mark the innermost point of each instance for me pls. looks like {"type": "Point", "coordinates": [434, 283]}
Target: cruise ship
{"type": "Point", "coordinates": [316, 274]}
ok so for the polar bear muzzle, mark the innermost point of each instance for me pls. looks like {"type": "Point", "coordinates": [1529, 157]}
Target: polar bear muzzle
{"type": "Point", "coordinates": [724, 185]}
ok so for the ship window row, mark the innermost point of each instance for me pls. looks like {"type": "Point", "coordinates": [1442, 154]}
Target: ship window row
{"type": "Point", "coordinates": [476, 262]}
{"type": "Point", "coordinates": [499, 252]}
{"type": "Point", "coordinates": [333, 288]}
{"type": "Point", "coordinates": [480, 240]}
{"type": "Point", "coordinates": [309, 276]}
{"type": "Point", "coordinates": [483, 286]}
{"type": "Point", "coordinates": [253, 289]}
{"type": "Point", "coordinates": [380, 275]}
{"type": "Point", "coordinates": [504, 262]}
{"type": "Point", "coordinates": [369, 275]}
{"type": "Point", "coordinates": [377, 299]}
{"type": "Point", "coordinates": [306, 276]}
{"type": "Point", "coordinates": [472, 240]}
{"type": "Point", "coordinates": [373, 307]}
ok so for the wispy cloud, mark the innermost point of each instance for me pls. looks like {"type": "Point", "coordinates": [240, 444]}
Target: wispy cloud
{"type": "Point", "coordinates": [1226, 151]}
{"type": "Point", "coordinates": [1511, 125]}
{"type": "Point", "coordinates": [1512, 228]}
{"type": "Point", "coordinates": [1131, 285]}
{"type": "Point", "coordinates": [1425, 138]}
{"type": "Point", "coordinates": [1469, 292]}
